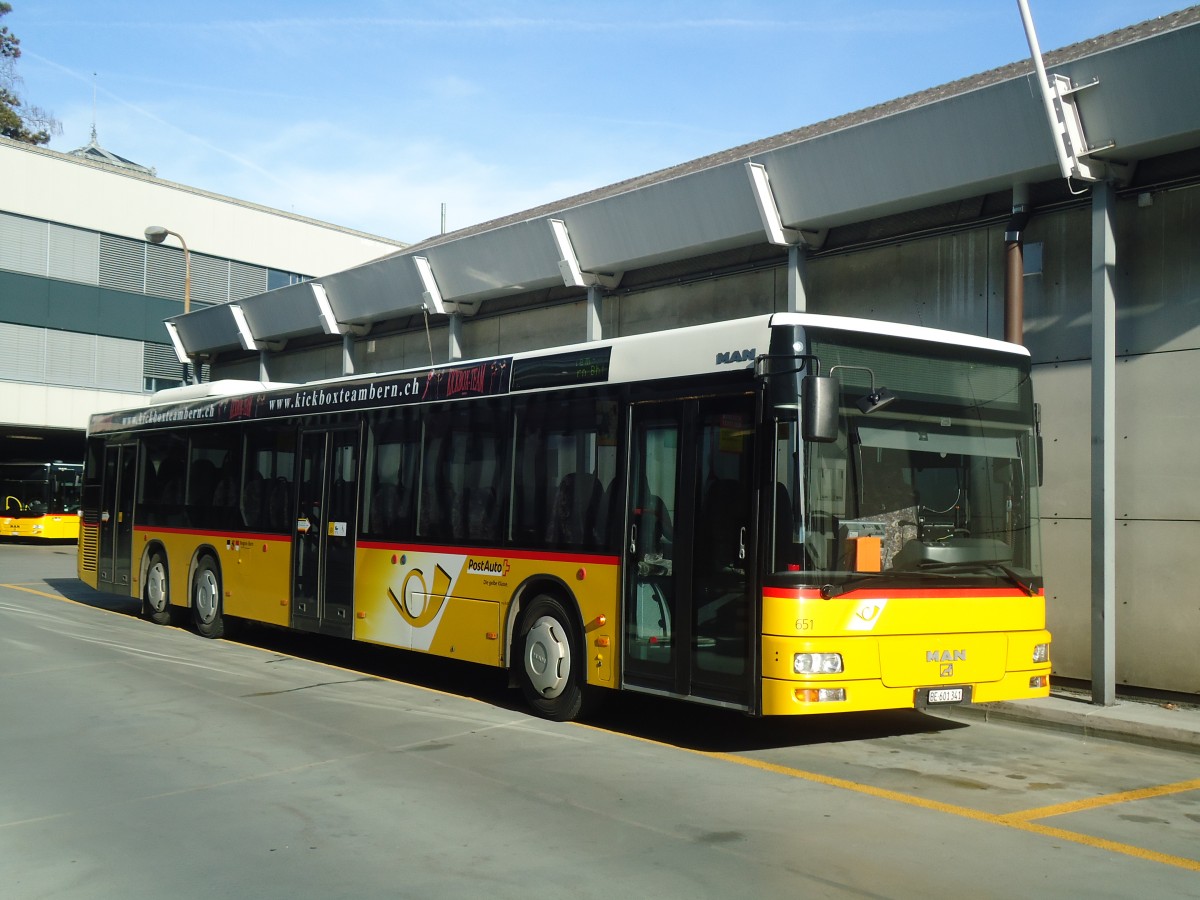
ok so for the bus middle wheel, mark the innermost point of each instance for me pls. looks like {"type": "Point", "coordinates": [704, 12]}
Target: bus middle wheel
{"type": "Point", "coordinates": [207, 609]}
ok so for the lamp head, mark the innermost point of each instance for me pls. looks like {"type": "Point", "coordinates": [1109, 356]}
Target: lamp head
{"type": "Point", "coordinates": [156, 234]}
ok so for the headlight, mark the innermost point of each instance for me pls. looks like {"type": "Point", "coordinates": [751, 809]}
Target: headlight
{"type": "Point", "coordinates": [817, 663]}
{"type": "Point", "coordinates": [1041, 653]}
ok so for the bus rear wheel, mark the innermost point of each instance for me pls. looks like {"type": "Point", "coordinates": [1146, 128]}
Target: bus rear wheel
{"type": "Point", "coordinates": [550, 665]}
{"type": "Point", "coordinates": [207, 609]}
{"type": "Point", "coordinates": [156, 600]}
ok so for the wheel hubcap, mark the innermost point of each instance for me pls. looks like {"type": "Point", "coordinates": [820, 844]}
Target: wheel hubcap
{"type": "Point", "coordinates": [206, 595]}
{"type": "Point", "coordinates": [547, 657]}
{"type": "Point", "coordinates": [156, 587]}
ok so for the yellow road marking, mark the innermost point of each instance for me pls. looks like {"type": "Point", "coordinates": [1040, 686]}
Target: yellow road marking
{"type": "Point", "coordinates": [29, 590]}
{"type": "Point", "coordinates": [1009, 820]}
{"type": "Point", "coordinates": [1060, 809]}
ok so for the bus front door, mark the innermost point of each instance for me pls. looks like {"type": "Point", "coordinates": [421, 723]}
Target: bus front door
{"type": "Point", "coordinates": [326, 519]}
{"type": "Point", "coordinates": [689, 619]}
{"type": "Point", "coordinates": [116, 516]}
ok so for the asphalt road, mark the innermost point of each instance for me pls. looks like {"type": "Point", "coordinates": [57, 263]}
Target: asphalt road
{"type": "Point", "coordinates": [145, 761]}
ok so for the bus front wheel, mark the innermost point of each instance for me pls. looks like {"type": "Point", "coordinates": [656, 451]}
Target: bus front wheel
{"type": "Point", "coordinates": [156, 600]}
{"type": "Point", "coordinates": [550, 665]}
{"type": "Point", "coordinates": [206, 599]}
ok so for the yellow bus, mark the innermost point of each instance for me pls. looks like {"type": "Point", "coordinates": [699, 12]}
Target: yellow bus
{"type": "Point", "coordinates": [785, 514]}
{"type": "Point", "coordinates": [41, 500]}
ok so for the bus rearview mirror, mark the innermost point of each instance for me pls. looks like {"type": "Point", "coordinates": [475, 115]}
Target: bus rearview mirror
{"type": "Point", "coordinates": [820, 407]}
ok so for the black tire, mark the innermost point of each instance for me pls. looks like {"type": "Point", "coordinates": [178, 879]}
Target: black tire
{"type": "Point", "coordinates": [156, 597]}
{"type": "Point", "coordinates": [207, 605]}
{"type": "Point", "coordinates": [550, 663]}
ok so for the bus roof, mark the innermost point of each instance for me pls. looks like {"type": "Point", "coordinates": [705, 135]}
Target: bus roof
{"type": "Point", "coordinates": [698, 350]}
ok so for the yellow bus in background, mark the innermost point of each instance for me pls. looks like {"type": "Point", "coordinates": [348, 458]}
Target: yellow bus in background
{"type": "Point", "coordinates": [786, 514]}
{"type": "Point", "coordinates": [41, 500]}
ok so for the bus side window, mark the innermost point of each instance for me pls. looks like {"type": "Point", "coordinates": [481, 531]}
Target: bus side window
{"type": "Point", "coordinates": [393, 454]}
{"type": "Point", "coordinates": [566, 456]}
{"type": "Point", "coordinates": [160, 491]}
{"type": "Point", "coordinates": [266, 489]}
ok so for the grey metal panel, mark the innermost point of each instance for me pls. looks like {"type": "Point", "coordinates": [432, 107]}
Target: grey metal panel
{"type": "Point", "coordinates": [676, 306]}
{"type": "Point", "coordinates": [702, 212]}
{"type": "Point", "coordinates": [942, 282]}
{"type": "Point", "coordinates": [122, 264]}
{"type": "Point", "coordinates": [22, 352]}
{"type": "Point", "coordinates": [962, 146]}
{"type": "Point", "coordinates": [1148, 98]}
{"type": "Point", "coordinates": [513, 259]}
{"type": "Point", "coordinates": [118, 364]}
{"type": "Point", "coordinates": [1159, 408]}
{"type": "Point", "coordinates": [207, 330]}
{"type": "Point", "coordinates": [282, 313]}
{"type": "Point", "coordinates": [1157, 618]}
{"type": "Point", "coordinates": [1158, 272]}
{"type": "Point", "coordinates": [74, 356]}
{"type": "Point", "coordinates": [73, 254]}
{"type": "Point", "coordinates": [1058, 311]}
{"type": "Point", "coordinates": [246, 280]}
{"type": "Point", "coordinates": [306, 365]}
{"type": "Point", "coordinates": [1066, 546]}
{"type": "Point", "coordinates": [531, 329]}
{"type": "Point", "coordinates": [23, 244]}
{"type": "Point", "coordinates": [377, 290]}
{"type": "Point", "coordinates": [1063, 390]}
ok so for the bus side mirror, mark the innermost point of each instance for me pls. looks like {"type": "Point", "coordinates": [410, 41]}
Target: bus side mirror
{"type": "Point", "coordinates": [820, 408]}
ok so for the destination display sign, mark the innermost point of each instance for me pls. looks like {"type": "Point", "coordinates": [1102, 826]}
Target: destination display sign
{"type": "Point", "coordinates": [485, 378]}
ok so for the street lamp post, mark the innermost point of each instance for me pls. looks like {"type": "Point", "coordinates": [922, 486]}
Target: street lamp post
{"type": "Point", "coordinates": [156, 234]}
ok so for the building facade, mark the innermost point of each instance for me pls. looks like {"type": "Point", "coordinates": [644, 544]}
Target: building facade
{"type": "Point", "coordinates": [83, 294]}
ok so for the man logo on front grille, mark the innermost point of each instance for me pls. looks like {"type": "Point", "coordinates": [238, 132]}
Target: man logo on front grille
{"type": "Point", "coordinates": [947, 670]}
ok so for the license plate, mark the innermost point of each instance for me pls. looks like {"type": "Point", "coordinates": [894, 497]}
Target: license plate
{"type": "Point", "coordinates": [948, 695]}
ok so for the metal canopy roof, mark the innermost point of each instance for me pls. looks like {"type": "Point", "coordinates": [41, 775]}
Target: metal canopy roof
{"type": "Point", "coordinates": [972, 137]}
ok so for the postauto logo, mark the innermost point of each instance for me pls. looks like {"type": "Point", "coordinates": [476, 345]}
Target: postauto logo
{"type": "Point", "coordinates": [487, 566]}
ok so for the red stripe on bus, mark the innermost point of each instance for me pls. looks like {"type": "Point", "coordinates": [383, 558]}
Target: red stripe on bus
{"type": "Point", "coordinates": [219, 535]}
{"type": "Point", "coordinates": [898, 593]}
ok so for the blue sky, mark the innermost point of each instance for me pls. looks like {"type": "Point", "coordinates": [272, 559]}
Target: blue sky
{"type": "Point", "coordinates": [373, 114]}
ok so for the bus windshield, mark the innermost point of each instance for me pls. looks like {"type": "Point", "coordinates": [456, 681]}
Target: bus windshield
{"type": "Point", "coordinates": [26, 490]}
{"type": "Point", "coordinates": [36, 489]}
{"type": "Point", "coordinates": [940, 482]}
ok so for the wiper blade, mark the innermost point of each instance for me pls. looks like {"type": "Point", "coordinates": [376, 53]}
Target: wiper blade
{"type": "Point", "coordinates": [1024, 581]}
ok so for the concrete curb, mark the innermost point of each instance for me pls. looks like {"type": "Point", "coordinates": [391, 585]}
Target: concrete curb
{"type": "Point", "coordinates": [1172, 726]}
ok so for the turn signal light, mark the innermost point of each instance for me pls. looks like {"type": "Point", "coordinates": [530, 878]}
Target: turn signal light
{"type": "Point", "coordinates": [821, 695]}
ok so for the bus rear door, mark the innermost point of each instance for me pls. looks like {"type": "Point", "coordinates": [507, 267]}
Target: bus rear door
{"type": "Point", "coordinates": [116, 516]}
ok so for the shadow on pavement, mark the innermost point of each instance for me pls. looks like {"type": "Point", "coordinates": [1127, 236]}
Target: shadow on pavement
{"type": "Point", "coordinates": [667, 721]}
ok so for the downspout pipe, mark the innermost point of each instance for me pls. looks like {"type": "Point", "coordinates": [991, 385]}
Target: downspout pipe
{"type": "Point", "coordinates": [1014, 268]}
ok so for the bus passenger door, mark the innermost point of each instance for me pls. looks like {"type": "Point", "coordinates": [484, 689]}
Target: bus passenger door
{"type": "Point", "coordinates": [689, 619]}
{"type": "Point", "coordinates": [116, 515]}
{"type": "Point", "coordinates": [326, 529]}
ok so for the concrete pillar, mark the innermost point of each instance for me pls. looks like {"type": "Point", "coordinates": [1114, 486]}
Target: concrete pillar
{"type": "Point", "coordinates": [1104, 482]}
{"type": "Point", "coordinates": [797, 278]}
{"type": "Point", "coordinates": [455, 336]}
{"type": "Point", "coordinates": [595, 298]}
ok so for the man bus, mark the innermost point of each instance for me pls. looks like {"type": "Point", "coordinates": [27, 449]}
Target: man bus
{"type": "Point", "coordinates": [785, 514]}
